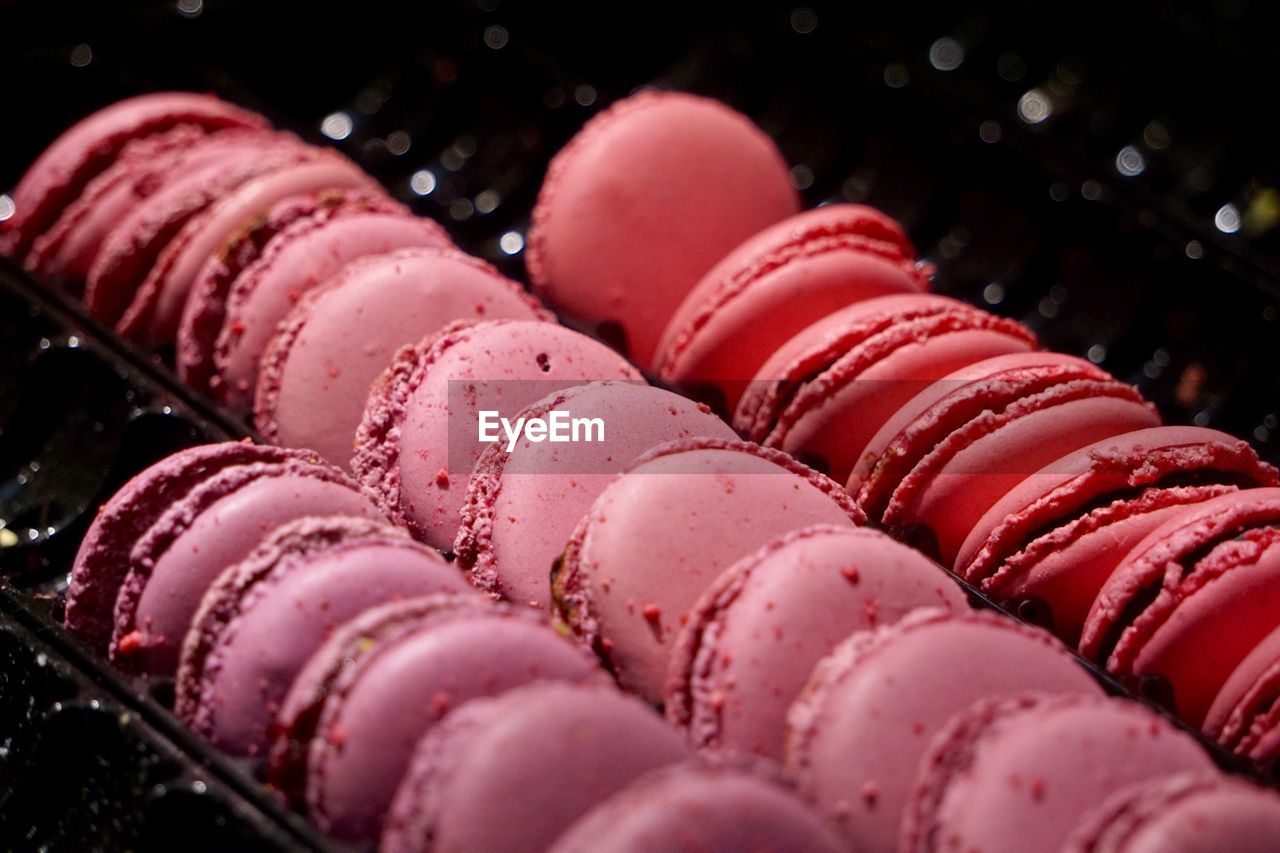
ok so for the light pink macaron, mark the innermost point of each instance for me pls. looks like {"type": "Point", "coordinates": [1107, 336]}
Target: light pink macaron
{"type": "Point", "coordinates": [642, 202]}
{"type": "Point", "coordinates": [664, 530]}
{"type": "Point", "coordinates": [316, 372]}
{"type": "Point", "coordinates": [419, 439]}
{"type": "Point", "coordinates": [522, 506]}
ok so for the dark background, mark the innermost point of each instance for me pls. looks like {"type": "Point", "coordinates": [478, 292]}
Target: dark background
{"type": "Point", "coordinates": [1135, 225]}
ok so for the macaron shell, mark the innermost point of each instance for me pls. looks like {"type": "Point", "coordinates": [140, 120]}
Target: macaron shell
{"type": "Point", "coordinates": [263, 619]}
{"type": "Point", "coordinates": [834, 416]}
{"type": "Point", "coordinates": [418, 441]}
{"type": "Point", "coordinates": [1017, 776]}
{"type": "Point", "coordinates": [547, 753]}
{"type": "Point", "coordinates": [862, 727]}
{"type": "Point", "coordinates": [1192, 813]}
{"type": "Point", "coordinates": [317, 372]}
{"type": "Point", "coordinates": [708, 809]}
{"type": "Point", "coordinates": [643, 201]}
{"type": "Point", "coordinates": [91, 145]}
{"type": "Point", "coordinates": [627, 591]}
{"type": "Point", "coordinates": [205, 312]}
{"type": "Point", "coordinates": [954, 486]}
{"type": "Point", "coordinates": [157, 307]}
{"type": "Point", "coordinates": [303, 258]}
{"type": "Point", "coordinates": [135, 243]}
{"type": "Point", "coordinates": [213, 527]}
{"type": "Point", "coordinates": [102, 561]}
{"type": "Point", "coordinates": [522, 506]}
{"type": "Point", "coordinates": [68, 248]}
{"type": "Point", "coordinates": [379, 710]}
{"type": "Point", "coordinates": [1243, 710]}
{"type": "Point", "coordinates": [760, 628]}
{"type": "Point", "coordinates": [1228, 605]}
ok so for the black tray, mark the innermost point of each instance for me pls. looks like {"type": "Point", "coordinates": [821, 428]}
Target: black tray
{"type": "Point", "coordinates": [1038, 221]}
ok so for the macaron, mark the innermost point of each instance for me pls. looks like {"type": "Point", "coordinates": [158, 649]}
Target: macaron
{"type": "Point", "coordinates": [67, 249]}
{"type": "Point", "coordinates": [419, 438]}
{"type": "Point", "coordinates": [158, 303]}
{"type": "Point", "coordinates": [522, 505]}
{"type": "Point", "coordinates": [213, 167]}
{"type": "Point", "coordinates": [938, 464]}
{"type": "Point", "coordinates": [102, 561]}
{"type": "Point", "coordinates": [860, 729]}
{"type": "Point", "coordinates": [389, 682]}
{"type": "Point", "coordinates": [762, 625]}
{"type": "Point", "coordinates": [1191, 600]}
{"type": "Point", "coordinates": [825, 393]}
{"type": "Point", "coordinates": [774, 285]}
{"type": "Point", "coordinates": [1016, 774]}
{"type": "Point", "coordinates": [216, 523]}
{"type": "Point", "coordinates": [515, 771]}
{"type": "Point", "coordinates": [263, 617]}
{"type": "Point", "coordinates": [1245, 715]}
{"type": "Point", "coordinates": [91, 145]}
{"type": "Point", "coordinates": [1190, 813]}
{"type": "Point", "coordinates": [316, 372]}
{"type": "Point", "coordinates": [1047, 547]}
{"type": "Point", "coordinates": [205, 314]}
{"type": "Point", "coordinates": [642, 202]}
{"type": "Point", "coordinates": [693, 808]}
{"type": "Point", "coordinates": [661, 532]}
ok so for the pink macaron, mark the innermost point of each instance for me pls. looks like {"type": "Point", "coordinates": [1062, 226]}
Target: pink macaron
{"type": "Point", "coordinates": [263, 617]}
{"type": "Point", "coordinates": [393, 674]}
{"type": "Point", "coordinates": [647, 197]}
{"type": "Point", "coordinates": [760, 628]}
{"type": "Point", "coordinates": [539, 756]}
{"type": "Point", "coordinates": [824, 394]}
{"type": "Point", "coordinates": [662, 532]}
{"type": "Point", "coordinates": [102, 562]}
{"type": "Point", "coordinates": [419, 439]}
{"type": "Point", "coordinates": [1189, 813]}
{"type": "Point", "coordinates": [1017, 774]}
{"type": "Point", "coordinates": [91, 145]}
{"type": "Point", "coordinates": [776, 284]}
{"type": "Point", "coordinates": [212, 168]}
{"type": "Point", "coordinates": [860, 729]}
{"type": "Point", "coordinates": [937, 465]}
{"type": "Point", "coordinates": [1189, 602]}
{"type": "Point", "coordinates": [523, 505]}
{"type": "Point", "coordinates": [242, 315]}
{"type": "Point", "coordinates": [315, 375]}
{"type": "Point", "coordinates": [205, 316]}
{"type": "Point", "coordinates": [160, 299]}
{"type": "Point", "coordinates": [1047, 547]}
{"type": "Point", "coordinates": [1245, 715]}
{"type": "Point", "coordinates": [697, 808]}
{"type": "Point", "coordinates": [216, 523]}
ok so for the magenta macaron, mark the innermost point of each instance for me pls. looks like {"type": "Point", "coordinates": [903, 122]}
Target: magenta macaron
{"type": "Point", "coordinates": [541, 756]}
{"type": "Point", "coordinates": [91, 145]}
{"type": "Point", "coordinates": [664, 530]}
{"type": "Point", "coordinates": [419, 439]}
{"type": "Point", "coordinates": [522, 506]}
{"type": "Point", "coordinates": [391, 675]}
{"type": "Point", "coordinates": [316, 372]}
{"type": "Point", "coordinates": [647, 197]}
{"type": "Point", "coordinates": [263, 617]}
{"type": "Point", "coordinates": [777, 283]}
{"type": "Point", "coordinates": [214, 524]}
{"type": "Point", "coordinates": [1245, 715]}
{"type": "Point", "coordinates": [760, 628]}
{"type": "Point", "coordinates": [860, 729]}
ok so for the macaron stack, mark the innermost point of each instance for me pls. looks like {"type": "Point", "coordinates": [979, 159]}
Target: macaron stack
{"type": "Point", "coordinates": [688, 634]}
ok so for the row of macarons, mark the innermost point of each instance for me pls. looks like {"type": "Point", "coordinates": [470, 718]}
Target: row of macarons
{"type": "Point", "coordinates": [831, 689]}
